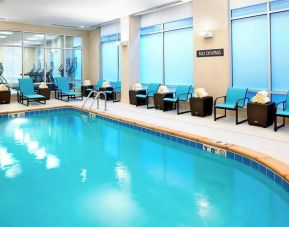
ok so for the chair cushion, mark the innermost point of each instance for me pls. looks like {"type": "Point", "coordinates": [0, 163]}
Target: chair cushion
{"type": "Point", "coordinates": [283, 113]}
{"type": "Point", "coordinates": [89, 89]}
{"type": "Point", "coordinates": [35, 96]}
{"type": "Point", "coordinates": [71, 93]}
{"type": "Point", "coordinates": [109, 92]}
{"type": "Point", "coordinates": [141, 96]}
{"type": "Point", "coordinates": [225, 106]}
{"type": "Point", "coordinates": [170, 100]}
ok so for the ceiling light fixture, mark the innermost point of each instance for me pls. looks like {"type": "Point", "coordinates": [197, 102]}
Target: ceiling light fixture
{"type": "Point", "coordinates": [2, 36]}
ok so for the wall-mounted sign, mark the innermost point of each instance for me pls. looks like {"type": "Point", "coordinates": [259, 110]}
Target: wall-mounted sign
{"type": "Point", "coordinates": [210, 53]}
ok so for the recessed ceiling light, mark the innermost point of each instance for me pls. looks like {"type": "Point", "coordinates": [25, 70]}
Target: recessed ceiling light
{"type": "Point", "coordinates": [81, 26]}
{"type": "Point", "coordinates": [6, 33]}
{"type": "Point", "coordinates": [31, 39]}
{"type": "Point", "coordinates": [2, 36]}
{"type": "Point", "coordinates": [39, 36]}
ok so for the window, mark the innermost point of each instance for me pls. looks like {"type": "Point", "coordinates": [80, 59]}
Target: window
{"type": "Point", "coordinates": [167, 53]}
{"type": "Point", "coordinates": [280, 51]}
{"type": "Point", "coordinates": [255, 65]}
{"type": "Point", "coordinates": [250, 53]}
{"type": "Point", "coordinates": [151, 57]}
{"type": "Point", "coordinates": [110, 66]}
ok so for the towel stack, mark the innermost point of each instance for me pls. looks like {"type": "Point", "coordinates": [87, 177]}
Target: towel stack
{"type": "Point", "coordinates": [87, 83]}
{"type": "Point", "coordinates": [105, 84]}
{"type": "Point", "coordinates": [3, 87]}
{"type": "Point", "coordinates": [200, 93]}
{"type": "Point", "coordinates": [262, 97]}
{"type": "Point", "coordinates": [137, 87]}
{"type": "Point", "coordinates": [163, 89]}
{"type": "Point", "coordinates": [43, 85]}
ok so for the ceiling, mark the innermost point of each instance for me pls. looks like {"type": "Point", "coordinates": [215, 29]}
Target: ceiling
{"type": "Point", "coordinates": [72, 12]}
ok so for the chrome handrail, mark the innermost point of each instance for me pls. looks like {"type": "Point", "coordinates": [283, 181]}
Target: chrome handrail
{"type": "Point", "coordinates": [89, 95]}
{"type": "Point", "coordinates": [97, 98]}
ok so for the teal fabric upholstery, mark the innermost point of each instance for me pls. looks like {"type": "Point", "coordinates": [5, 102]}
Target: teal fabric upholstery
{"type": "Point", "coordinates": [152, 89]}
{"type": "Point", "coordinates": [225, 106]}
{"type": "Point", "coordinates": [170, 100]}
{"type": "Point", "coordinates": [182, 92]}
{"type": "Point", "coordinates": [34, 96]}
{"type": "Point", "coordinates": [283, 113]}
{"type": "Point", "coordinates": [26, 87]}
{"type": "Point", "coordinates": [99, 84]}
{"type": "Point", "coordinates": [63, 84]}
{"type": "Point", "coordinates": [287, 102]}
{"type": "Point", "coordinates": [234, 94]}
{"type": "Point", "coordinates": [108, 92]}
{"type": "Point", "coordinates": [141, 96]}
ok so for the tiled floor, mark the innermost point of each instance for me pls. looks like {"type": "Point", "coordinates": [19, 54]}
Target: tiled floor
{"type": "Point", "coordinates": [263, 140]}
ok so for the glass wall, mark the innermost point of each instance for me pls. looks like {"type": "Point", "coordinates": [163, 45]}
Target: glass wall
{"type": "Point", "coordinates": [11, 55]}
{"type": "Point", "coordinates": [110, 58]}
{"type": "Point", "coordinates": [167, 53]}
{"type": "Point", "coordinates": [259, 62]}
{"type": "Point", "coordinates": [41, 55]}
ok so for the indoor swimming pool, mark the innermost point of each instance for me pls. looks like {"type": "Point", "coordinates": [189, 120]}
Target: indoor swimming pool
{"type": "Point", "coordinates": [65, 168]}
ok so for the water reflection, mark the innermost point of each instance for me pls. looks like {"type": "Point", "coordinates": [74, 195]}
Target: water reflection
{"type": "Point", "coordinates": [33, 148]}
{"type": "Point", "coordinates": [52, 162]}
{"type": "Point", "coordinates": [9, 164]}
{"type": "Point", "coordinates": [122, 174]}
{"type": "Point", "coordinates": [83, 175]}
{"type": "Point", "coordinates": [203, 205]}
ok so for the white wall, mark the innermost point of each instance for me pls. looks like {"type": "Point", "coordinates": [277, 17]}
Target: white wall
{"type": "Point", "coordinates": [110, 29]}
{"type": "Point", "coordinates": [167, 15]}
{"type": "Point", "coordinates": [234, 4]}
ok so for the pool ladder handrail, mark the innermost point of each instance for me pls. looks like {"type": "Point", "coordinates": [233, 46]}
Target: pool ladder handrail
{"type": "Point", "coordinates": [96, 99]}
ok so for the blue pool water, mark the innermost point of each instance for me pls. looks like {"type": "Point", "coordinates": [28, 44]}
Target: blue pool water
{"type": "Point", "coordinates": [65, 169]}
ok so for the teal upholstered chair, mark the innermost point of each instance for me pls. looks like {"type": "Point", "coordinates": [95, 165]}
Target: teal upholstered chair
{"type": "Point", "coordinates": [63, 89]}
{"type": "Point", "coordinates": [235, 99]}
{"type": "Point", "coordinates": [182, 94]}
{"type": "Point", "coordinates": [144, 98]}
{"type": "Point", "coordinates": [116, 90]}
{"type": "Point", "coordinates": [27, 92]}
{"type": "Point", "coordinates": [284, 113]}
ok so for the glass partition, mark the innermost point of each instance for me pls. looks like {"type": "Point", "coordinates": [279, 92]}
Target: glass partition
{"type": "Point", "coordinates": [40, 56]}
{"type": "Point", "coordinates": [11, 56]}
{"type": "Point", "coordinates": [54, 41]}
{"type": "Point", "coordinates": [73, 66]}
{"type": "Point", "coordinates": [33, 59]}
{"type": "Point", "coordinates": [73, 42]}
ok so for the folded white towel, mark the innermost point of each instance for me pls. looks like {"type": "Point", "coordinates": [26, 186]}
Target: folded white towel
{"type": "Point", "coordinates": [163, 89]}
{"type": "Point", "coordinates": [87, 83]}
{"type": "Point", "coordinates": [200, 93]}
{"type": "Point", "coordinates": [106, 84]}
{"type": "Point", "coordinates": [137, 87]}
{"type": "Point", "coordinates": [3, 87]}
{"type": "Point", "coordinates": [43, 85]}
{"type": "Point", "coordinates": [261, 97]}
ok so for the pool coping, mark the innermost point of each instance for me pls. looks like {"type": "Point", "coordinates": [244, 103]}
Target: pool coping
{"type": "Point", "coordinates": [278, 167]}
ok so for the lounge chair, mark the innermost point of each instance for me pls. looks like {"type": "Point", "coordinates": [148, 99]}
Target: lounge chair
{"type": "Point", "coordinates": [116, 89]}
{"type": "Point", "coordinates": [182, 94]}
{"type": "Point", "coordinates": [143, 99]}
{"type": "Point", "coordinates": [235, 99]}
{"type": "Point", "coordinates": [63, 90]}
{"type": "Point", "coordinates": [284, 113]}
{"type": "Point", "coordinates": [26, 92]}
